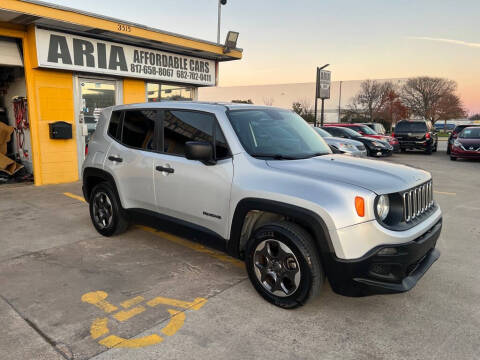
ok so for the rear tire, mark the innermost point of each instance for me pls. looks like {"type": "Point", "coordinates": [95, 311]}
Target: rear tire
{"type": "Point", "coordinates": [428, 150]}
{"type": "Point", "coordinates": [435, 148]}
{"type": "Point", "coordinates": [403, 150]}
{"type": "Point", "coordinates": [284, 265]}
{"type": "Point", "coordinates": [106, 212]}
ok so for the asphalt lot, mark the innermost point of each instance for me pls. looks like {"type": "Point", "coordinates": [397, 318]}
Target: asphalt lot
{"type": "Point", "coordinates": [66, 292]}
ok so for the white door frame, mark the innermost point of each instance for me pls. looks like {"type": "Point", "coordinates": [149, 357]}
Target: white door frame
{"type": "Point", "coordinates": [77, 101]}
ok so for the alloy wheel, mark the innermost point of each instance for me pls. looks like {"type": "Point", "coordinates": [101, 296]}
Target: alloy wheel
{"type": "Point", "coordinates": [277, 268]}
{"type": "Point", "coordinates": [102, 210]}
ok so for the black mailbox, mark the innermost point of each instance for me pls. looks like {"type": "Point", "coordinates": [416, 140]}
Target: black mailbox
{"type": "Point", "coordinates": [60, 130]}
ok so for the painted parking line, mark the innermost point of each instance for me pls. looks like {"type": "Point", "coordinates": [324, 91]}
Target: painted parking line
{"type": "Point", "coordinates": [180, 241]}
{"type": "Point", "coordinates": [444, 193]}
{"type": "Point", "coordinates": [99, 328]}
{"type": "Point", "coordinates": [73, 196]}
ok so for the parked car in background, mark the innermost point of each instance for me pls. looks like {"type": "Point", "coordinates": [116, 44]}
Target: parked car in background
{"type": "Point", "coordinates": [374, 147]}
{"type": "Point", "coordinates": [440, 126]}
{"type": "Point", "coordinates": [366, 131]}
{"type": "Point", "coordinates": [455, 133]}
{"type": "Point", "coordinates": [377, 127]}
{"type": "Point", "coordinates": [467, 144]}
{"type": "Point", "coordinates": [416, 134]}
{"type": "Point", "coordinates": [343, 145]}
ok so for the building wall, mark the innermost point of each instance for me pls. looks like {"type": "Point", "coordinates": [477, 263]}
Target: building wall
{"type": "Point", "coordinates": [53, 92]}
{"type": "Point", "coordinates": [134, 91]}
{"type": "Point", "coordinates": [284, 95]}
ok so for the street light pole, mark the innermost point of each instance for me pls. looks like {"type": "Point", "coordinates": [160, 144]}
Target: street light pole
{"type": "Point", "coordinates": [219, 16]}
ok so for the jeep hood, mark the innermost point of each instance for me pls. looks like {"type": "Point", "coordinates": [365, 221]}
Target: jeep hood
{"type": "Point", "coordinates": [374, 175]}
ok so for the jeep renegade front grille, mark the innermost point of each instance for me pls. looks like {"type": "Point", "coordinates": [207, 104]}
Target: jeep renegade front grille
{"type": "Point", "coordinates": [417, 201]}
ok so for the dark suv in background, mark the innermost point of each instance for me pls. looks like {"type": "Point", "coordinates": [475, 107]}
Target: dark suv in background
{"type": "Point", "coordinates": [416, 134]}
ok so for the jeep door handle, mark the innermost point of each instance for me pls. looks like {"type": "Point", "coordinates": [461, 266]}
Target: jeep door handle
{"type": "Point", "coordinates": [115, 158]}
{"type": "Point", "coordinates": [165, 169]}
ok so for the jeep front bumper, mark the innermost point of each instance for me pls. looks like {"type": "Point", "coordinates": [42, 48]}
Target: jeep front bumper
{"type": "Point", "coordinates": [390, 268]}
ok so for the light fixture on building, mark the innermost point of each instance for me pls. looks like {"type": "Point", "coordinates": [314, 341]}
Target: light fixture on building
{"type": "Point", "coordinates": [230, 41]}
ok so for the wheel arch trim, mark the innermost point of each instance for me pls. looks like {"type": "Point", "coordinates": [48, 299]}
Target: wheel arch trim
{"type": "Point", "coordinates": [306, 218]}
{"type": "Point", "coordinates": [90, 172]}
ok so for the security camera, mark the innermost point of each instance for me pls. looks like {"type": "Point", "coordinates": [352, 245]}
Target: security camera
{"type": "Point", "coordinates": [223, 2]}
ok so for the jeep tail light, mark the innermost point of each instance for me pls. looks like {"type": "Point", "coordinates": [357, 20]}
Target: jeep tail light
{"type": "Point", "coordinates": [360, 206]}
{"type": "Point", "coordinates": [393, 134]}
{"type": "Point", "coordinates": [427, 136]}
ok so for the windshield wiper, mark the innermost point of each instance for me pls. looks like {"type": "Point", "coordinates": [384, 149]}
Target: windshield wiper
{"type": "Point", "coordinates": [314, 155]}
{"type": "Point", "coordinates": [275, 156]}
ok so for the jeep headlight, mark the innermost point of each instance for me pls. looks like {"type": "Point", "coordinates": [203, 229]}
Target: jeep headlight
{"type": "Point", "coordinates": [383, 207]}
{"type": "Point", "coordinates": [457, 143]}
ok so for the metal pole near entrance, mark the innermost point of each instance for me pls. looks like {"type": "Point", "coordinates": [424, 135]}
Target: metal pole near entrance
{"type": "Point", "coordinates": [316, 96]}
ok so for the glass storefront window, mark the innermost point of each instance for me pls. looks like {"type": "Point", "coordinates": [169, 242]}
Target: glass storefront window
{"type": "Point", "coordinates": [157, 92]}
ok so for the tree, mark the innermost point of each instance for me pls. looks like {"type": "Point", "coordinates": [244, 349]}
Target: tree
{"type": "Point", "coordinates": [392, 109]}
{"type": "Point", "coordinates": [449, 107]}
{"type": "Point", "coordinates": [475, 117]}
{"type": "Point", "coordinates": [429, 97]}
{"type": "Point", "coordinates": [371, 98]}
{"type": "Point", "coordinates": [249, 101]}
{"type": "Point", "coordinates": [268, 101]}
{"type": "Point", "coordinates": [304, 108]}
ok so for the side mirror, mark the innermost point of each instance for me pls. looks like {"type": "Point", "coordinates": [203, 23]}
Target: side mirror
{"type": "Point", "coordinates": [199, 150]}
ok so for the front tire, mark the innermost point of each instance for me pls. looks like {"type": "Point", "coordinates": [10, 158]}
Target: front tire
{"type": "Point", "coordinates": [453, 158]}
{"type": "Point", "coordinates": [284, 265]}
{"type": "Point", "coordinates": [106, 212]}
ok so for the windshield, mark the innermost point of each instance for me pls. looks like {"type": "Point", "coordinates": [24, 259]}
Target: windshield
{"type": "Point", "coordinates": [470, 133]}
{"type": "Point", "coordinates": [277, 134]}
{"type": "Point", "coordinates": [350, 132]}
{"type": "Point", "coordinates": [322, 132]}
{"type": "Point", "coordinates": [411, 126]}
{"type": "Point", "coordinates": [365, 129]}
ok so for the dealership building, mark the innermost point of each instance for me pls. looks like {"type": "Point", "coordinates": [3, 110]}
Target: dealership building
{"type": "Point", "coordinates": [60, 67]}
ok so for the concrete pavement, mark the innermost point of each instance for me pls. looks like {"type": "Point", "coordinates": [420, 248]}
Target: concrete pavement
{"type": "Point", "coordinates": [69, 293]}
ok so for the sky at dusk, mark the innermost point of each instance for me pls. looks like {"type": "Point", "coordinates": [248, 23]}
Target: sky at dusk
{"type": "Point", "coordinates": [284, 40]}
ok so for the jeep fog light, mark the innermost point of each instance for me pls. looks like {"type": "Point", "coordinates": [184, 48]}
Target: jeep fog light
{"type": "Point", "coordinates": [383, 207]}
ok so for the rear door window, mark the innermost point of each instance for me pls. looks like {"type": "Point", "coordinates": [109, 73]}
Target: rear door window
{"type": "Point", "coordinates": [138, 129]}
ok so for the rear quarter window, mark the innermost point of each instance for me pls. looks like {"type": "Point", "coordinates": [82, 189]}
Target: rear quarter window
{"type": "Point", "coordinates": [114, 125]}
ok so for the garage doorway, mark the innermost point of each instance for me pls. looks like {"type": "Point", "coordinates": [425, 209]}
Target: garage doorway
{"type": "Point", "coordinates": [15, 144]}
{"type": "Point", "coordinates": [92, 95]}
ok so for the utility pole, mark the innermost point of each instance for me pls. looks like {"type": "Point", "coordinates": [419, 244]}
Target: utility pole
{"type": "Point", "coordinates": [340, 102]}
{"type": "Point", "coordinates": [316, 96]}
{"type": "Point", "coordinates": [220, 3]}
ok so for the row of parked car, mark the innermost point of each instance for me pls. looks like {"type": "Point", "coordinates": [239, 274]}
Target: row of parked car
{"type": "Point", "coordinates": [370, 139]}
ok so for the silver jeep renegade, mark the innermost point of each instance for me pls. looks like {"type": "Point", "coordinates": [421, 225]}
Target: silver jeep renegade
{"type": "Point", "coordinates": [263, 186]}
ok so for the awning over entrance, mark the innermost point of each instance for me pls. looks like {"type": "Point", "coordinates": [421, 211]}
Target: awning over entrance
{"type": "Point", "coordinates": [50, 16]}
